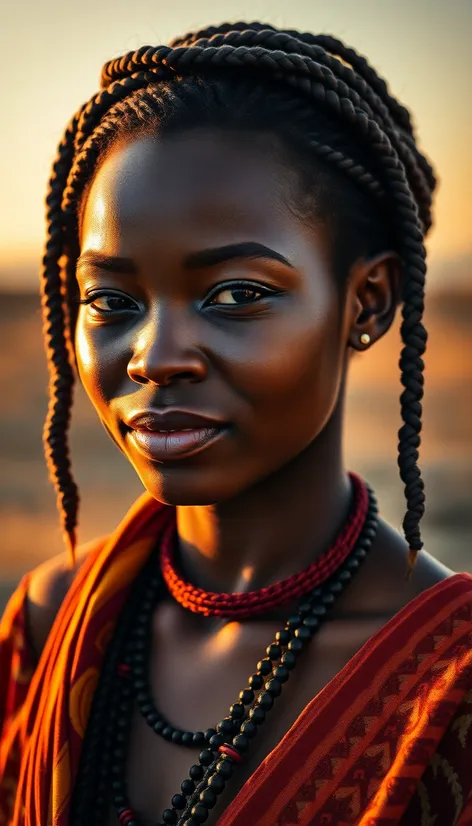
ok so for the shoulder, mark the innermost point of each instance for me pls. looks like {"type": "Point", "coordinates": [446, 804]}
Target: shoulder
{"type": "Point", "coordinates": [47, 587]}
{"type": "Point", "coordinates": [381, 588]}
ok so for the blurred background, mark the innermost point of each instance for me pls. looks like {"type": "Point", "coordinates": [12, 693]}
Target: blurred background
{"type": "Point", "coordinates": [55, 51]}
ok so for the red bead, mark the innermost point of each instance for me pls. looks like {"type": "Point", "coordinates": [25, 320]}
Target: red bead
{"type": "Point", "coordinates": [227, 749]}
{"type": "Point", "coordinates": [126, 816]}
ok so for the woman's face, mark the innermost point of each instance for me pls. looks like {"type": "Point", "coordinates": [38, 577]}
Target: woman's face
{"type": "Point", "coordinates": [205, 295]}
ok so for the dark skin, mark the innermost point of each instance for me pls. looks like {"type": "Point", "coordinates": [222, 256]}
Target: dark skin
{"type": "Point", "coordinates": [269, 497]}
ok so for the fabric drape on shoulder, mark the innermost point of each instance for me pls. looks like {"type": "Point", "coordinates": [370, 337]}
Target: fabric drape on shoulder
{"type": "Point", "coordinates": [17, 665]}
{"type": "Point", "coordinates": [51, 723]}
{"type": "Point", "coordinates": [387, 741]}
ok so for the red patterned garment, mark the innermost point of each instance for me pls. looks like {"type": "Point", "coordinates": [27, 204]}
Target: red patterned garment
{"type": "Point", "coordinates": [387, 741]}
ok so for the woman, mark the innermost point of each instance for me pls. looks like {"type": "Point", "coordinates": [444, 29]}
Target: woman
{"type": "Point", "coordinates": [229, 220]}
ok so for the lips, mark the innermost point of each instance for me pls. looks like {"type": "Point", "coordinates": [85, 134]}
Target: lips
{"type": "Point", "coordinates": [164, 421]}
{"type": "Point", "coordinates": [173, 434]}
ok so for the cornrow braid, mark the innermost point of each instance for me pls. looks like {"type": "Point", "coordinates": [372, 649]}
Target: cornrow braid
{"type": "Point", "coordinates": [356, 88]}
{"type": "Point", "coordinates": [347, 54]}
{"type": "Point", "coordinates": [325, 103]}
{"type": "Point", "coordinates": [57, 343]}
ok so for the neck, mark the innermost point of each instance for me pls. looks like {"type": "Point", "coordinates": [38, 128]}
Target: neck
{"type": "Point", "coordinates": [272, 530]}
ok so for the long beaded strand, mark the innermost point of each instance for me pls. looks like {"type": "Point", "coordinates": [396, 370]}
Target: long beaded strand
{"type": "Point", "coordinates": [91, 791]}
{"type": "Point", "coordinates": [207, 778]}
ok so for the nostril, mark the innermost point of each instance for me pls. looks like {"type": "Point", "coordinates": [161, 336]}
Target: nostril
{"type": "Point", "coordinates": [137, 377]}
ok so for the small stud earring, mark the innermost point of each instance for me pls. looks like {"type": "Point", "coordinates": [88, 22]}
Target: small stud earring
{"type": "Point", "coordinates": [365, 338]}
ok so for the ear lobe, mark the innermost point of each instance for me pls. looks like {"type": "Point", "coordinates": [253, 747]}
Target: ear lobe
{"type": "Point", "coordinates": [376, 283]}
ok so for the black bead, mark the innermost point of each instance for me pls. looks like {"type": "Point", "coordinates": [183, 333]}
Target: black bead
{"type": "Point", "coordinates": [256, 682]}
{"type": "Point", "coordinates": [140, 631]}
{"type": "Point", "coordinates": [187, 738]}
{"type": "Point", "coordinates": [353, 564]}
{"type": "Point", "coordinates": [335, 587]}
{"type": "Point", "coordinates": [294, 622]}
{"type": "Point", "coordinates": [319, 611]}
{"type": "Point", "coordinates": [264, 666]}
{"type": "Point", "coordinates": [249, 729]}
{"type": "Point", "coordinates": [178, 801]}
{"type": "Point", "coordinates": [225, 768]}
{"type": "Point", "coordinates": [289, 660]}
{"type": "Point", "coordinates": [266, 701]}
{"type": "Point", "coordinates": [273, 651]}
{"type": "Point", "coordinates": [216, 741]}
{"type": "Point", "coordinates": [295, 646]}
{"type": "Point", "coordinates": [327, 599]}
{"type": "Point", "coordinates": [273, 687]}
{"type": "Point", "coordinates": [241, 743]}
{"type": "Point", "coordinates": [344, 576]}
{"type": "Point", "coordinates": [200, 813]}
{"type": "Point", "coordinates": [208, 798]}
{"type": "Point", "coordinates": [246, 696]}
{"type": "Point", "coordinates": [169, 816]}
{"type": "Point", "coordinates": [237, 711]}
{"type": "Point", "coordinates": [206, 757]}
{"type": "Point", "coordinates": [304, 607]}
{"type": "Point", "coordinates": [209, 733]}
{"type": "Point", "coordinates": [187, 787]}
{"type": "Point", "coordinates": [283, 637]}
{"type": "Point", "coordinates": [304, 634]}
{"type": "Point", "coordinates": [281, 674]}
{"type": "Point", "coordinates": [257, 714]}
{"type": "Point", "coordinates": [159, 726]}
{"type": "Point", "coordinates": [361, 553]}
{"type": "Point", "coordinates": [198, 738]}
{"type": "Point", "coordinates": [312, 623]}
{"type": "Point", "coordinates": [226, 725]}
{"type": "Point", "coordinates": [177, 736]}
{"type": "Point", "coordinates": [196, 771]}
{"type": "Point", "coordinates": [217, 783]}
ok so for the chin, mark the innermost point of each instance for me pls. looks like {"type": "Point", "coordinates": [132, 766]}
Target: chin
{"type": "Point", "coordinates": [177, 485]}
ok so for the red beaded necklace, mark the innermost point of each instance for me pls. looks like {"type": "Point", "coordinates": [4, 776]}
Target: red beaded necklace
{"type": "Point", "coordinates": [254, 603]}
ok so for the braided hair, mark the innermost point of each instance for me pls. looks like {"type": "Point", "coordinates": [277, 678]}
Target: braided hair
{"type": "Point", "coordinates": [343, 132]}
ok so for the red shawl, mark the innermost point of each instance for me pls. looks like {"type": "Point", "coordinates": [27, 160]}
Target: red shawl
{"type": "Point", "coordinates": [387, 741]}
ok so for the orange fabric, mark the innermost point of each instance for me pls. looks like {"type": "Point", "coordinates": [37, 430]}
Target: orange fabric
{"type": "Point", "coordinates": [388, 741]}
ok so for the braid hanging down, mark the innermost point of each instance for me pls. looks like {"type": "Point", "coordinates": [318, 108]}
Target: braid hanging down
{"type": "Point", "coordinates": [328, 105]}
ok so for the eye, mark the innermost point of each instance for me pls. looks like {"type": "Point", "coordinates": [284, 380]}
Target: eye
{"type": "Point", "coordinates": [109, 303]}
{"type": "Point", "coordinates": [239, 294]}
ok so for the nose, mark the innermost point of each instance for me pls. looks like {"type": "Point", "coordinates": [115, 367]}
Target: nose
{"type": "Point", "coordinates": [164, 351]}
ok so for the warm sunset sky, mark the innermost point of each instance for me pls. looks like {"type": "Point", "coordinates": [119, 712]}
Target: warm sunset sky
{"type": "Point", "coordinates": [52, 52]}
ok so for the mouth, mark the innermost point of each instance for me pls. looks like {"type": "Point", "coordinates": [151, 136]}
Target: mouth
{"type": "Point", "coordinates": [162, 445]}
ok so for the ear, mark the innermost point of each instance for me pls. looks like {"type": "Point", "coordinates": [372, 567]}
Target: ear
{"type": "Point", "coordinates": [373, 294]}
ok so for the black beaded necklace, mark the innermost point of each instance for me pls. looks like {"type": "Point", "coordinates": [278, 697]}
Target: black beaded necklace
{"type": "Point", "coordinates": [125, 679]}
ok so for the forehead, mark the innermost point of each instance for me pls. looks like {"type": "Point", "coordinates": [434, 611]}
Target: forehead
{"type": "Point", "coordinates": [200, 183]}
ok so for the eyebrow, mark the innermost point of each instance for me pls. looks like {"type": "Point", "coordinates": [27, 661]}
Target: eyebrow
{"type": "Point", "coordinates": [231, 252]}
{"type": "Point", "coordinates": [194, 261]}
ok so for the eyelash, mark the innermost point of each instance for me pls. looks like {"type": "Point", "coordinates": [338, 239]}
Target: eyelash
{"type": "Point", "coordinates": [234, 285]}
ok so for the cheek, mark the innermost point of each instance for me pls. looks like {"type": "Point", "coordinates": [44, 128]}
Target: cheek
{"type": "Point", "coordinates": [291, 378]}
{"type": "Point", "coordinates": [99, 366]}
